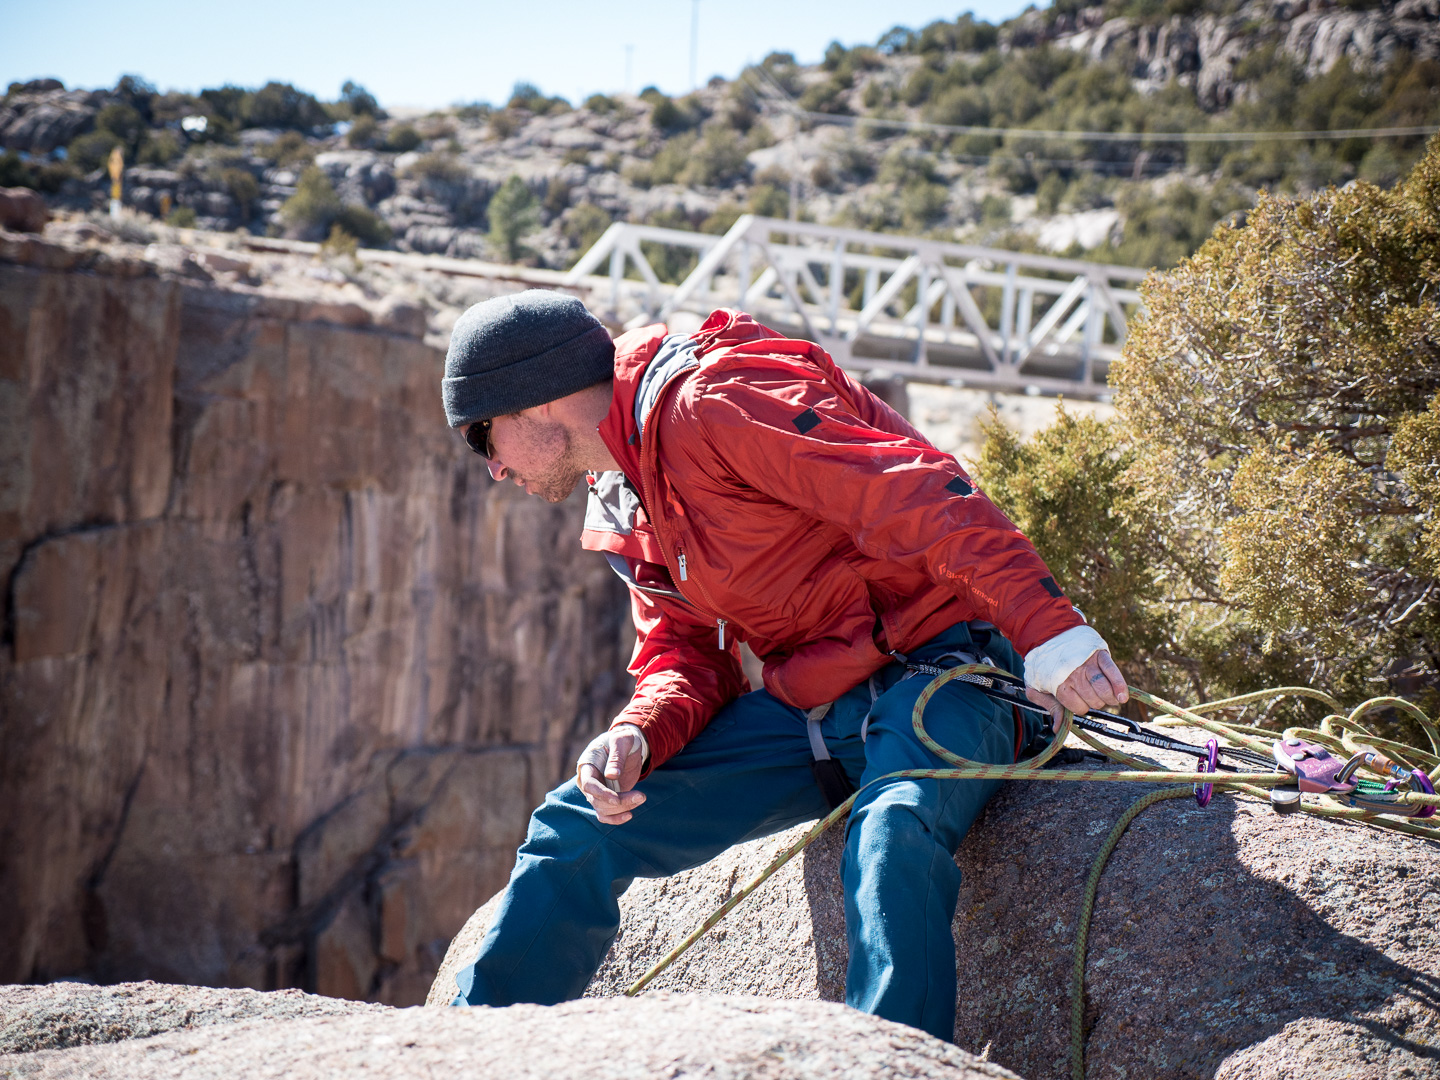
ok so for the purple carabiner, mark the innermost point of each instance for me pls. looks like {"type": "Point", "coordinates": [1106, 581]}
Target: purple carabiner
{"type": "Point", "coordinates": [1426, 788]}
{"type": "Point", "coordinates": [1204, 791]}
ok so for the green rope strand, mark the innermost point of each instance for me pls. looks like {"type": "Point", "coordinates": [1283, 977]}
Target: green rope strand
{"type": "Point", "coordinates": [1087, 908]}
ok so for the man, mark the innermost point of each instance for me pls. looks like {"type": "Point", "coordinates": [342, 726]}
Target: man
{"type": "Point", "coordinates": [747, 489]}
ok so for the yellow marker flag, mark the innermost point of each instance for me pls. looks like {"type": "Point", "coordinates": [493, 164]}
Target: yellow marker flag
{"type": "Point", "coordinates": [117, 170]}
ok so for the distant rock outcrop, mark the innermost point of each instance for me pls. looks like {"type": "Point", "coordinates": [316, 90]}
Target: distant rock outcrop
{"type": "Point", "coordinates": [1226, 942]}
{"type": "Point", "coordinates": [22, 210]}
{"type": "Point", "coordinates": [1202, 50]}
{"type": "Point", "coordinates": [297, 1038]}
{"type": "Point", "coordinates": [41, 116]}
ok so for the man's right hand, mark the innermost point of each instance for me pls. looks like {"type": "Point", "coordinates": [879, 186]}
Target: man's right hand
{"type": "Point", "coordinates": [608, 770]}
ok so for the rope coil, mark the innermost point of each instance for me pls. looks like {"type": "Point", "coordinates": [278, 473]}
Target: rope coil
{"type": "Point", "coordinates": [1336, 732]}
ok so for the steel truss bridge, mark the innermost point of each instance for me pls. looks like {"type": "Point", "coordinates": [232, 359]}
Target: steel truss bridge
{"type": "Point", "coordinates": [924, 309]}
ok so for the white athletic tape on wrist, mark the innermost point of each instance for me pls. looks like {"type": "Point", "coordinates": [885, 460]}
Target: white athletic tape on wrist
{"type": "Point", "coordinates": [597, 754]}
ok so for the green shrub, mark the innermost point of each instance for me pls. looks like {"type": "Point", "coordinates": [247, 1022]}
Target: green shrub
{"type": "Point", "coordinates": [280, 105]}
{"type": "Point", "coordinates": [291, 148]}
{"type": "Point", "coordinates": [243, 188]}
{"type": "Point", "coordinates": [89, 152]}
{"type": "Point", "coordinates": [364, 132]}
{"type": "Point", "coordinates": [512, 214]}
{"type": "Point", "coordinates": [15, 171]}
{"type": "Point", "coordinates": [226, 104]}
{"type": "Point", "coordinates": [1162, 227]}
{"type": "Point", "coordinates": [717, 158]}
{"type": "Point", "coordinates": [1049, 193]}
{"type": "Point", "coordinates": [671, 264]}
{"type": "Point", "coordinates": [402, 138]}
{"type": "Point", "coordinates": [667, 116]}
{"type": "Point", "coordinates": [724, 216]}
{"type": "Point", "coordinates": [601, 103]}
{"type": "Point", "coordinates": [827, 96]}
{"type": "Point", "coordinates": [759, 137]}
{"type": "Point", "coordinates": [315, 210]}
{"type": "Point", "coordinates": [125, 124]}
{"type": "Point", "coordinates": [1070, 490]}
{"type": "Point", "coordinates": [504, 123]}
{"type": "Point", "coordinates": [1275, 464]}
{"type": "Point", "coordinates": [160, 148]}
{"type": "Point", "coordinates": [583, 225]}
{"type": "Point", "coordinates": [182, 217]}
{"type": "Point", "coordinates": [443, 167]}
{"type": "Point", "coordinates": [340, 243]}
{"type": "Point", "coordinates": [961, 106]}
{"type": "Point", "coordinates": [922, 205]}
{"type": "Point", "coordinates": [527, 96]}
{"type": "Point", "coordinates": [672, 160]}
{"type": "Point", "coordinates": [314, 206]}
{"type": "Point", "coordinates": [557, 196]}
{"type": "Point", "coordinates": [475, 110]}
{"type": "Point", "coordinates": [358, 101]}
{"type": "Point", "coordinates": [770, 199]}
{"type": "Point", "coordinates": [364, 224]}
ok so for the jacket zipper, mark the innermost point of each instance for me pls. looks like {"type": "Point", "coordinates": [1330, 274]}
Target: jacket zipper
{"type": "Point", "coordinates": [647, 500]}
{"type": "Point", "coordinates": [684, 576]}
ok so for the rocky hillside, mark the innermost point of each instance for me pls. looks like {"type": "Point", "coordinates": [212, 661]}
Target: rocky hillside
{"type": "Point", "coordinates": [536, 179]}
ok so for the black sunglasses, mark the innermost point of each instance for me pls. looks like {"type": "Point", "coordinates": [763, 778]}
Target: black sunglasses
{"type": "Point", "coordinates": [477, 437]}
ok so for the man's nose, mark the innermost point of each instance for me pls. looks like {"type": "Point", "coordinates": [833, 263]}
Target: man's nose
{"type": "Point", "coordinates": [497, 471]}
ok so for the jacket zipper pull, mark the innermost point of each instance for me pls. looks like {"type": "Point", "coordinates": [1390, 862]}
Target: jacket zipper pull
{"type": "Point", "coordinates": [682, 566]}
{"type": "Point", "coordinates": [721, 624]}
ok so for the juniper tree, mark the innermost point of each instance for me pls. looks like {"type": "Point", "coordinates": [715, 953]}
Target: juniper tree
{"type": "Point", "coordinates": [1275, 461]}
{"type": "Point", "coordinates": [512, 213]}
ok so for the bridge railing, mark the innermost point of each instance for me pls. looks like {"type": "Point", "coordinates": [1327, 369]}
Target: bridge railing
{"type": "Point", "coordinates": [926, 309]}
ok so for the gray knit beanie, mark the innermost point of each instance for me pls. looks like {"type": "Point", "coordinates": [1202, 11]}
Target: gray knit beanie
{"type": "Point", "coordinates": [516, 352]}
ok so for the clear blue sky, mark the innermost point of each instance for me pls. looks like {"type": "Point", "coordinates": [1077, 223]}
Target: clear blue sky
{"type": "Point", "coordinates": [435, 52]}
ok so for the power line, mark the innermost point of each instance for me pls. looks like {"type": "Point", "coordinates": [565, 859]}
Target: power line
{"type": "Point", "coordinates": [1330, 134]}
{"type": "Point", "coordinates": [1124, 136]}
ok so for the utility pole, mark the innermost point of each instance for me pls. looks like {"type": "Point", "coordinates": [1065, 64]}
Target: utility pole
{"type": "Point", "coordinates": [694, 44]}
{"type": "Point", "coordinates": [629, 66]}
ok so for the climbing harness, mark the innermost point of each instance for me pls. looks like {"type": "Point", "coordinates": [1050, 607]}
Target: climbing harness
{"type": "Point", "coordinates": [1302, 760]}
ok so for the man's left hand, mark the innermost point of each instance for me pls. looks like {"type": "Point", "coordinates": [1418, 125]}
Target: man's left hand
{"type": "Point", "coordinates": [1095, 684]}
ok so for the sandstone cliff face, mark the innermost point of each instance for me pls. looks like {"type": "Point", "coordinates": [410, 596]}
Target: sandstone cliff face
{"type": "Point", "coordinates": [1226, 942]}
{"type": "Point", "coordinates": [282, 671]}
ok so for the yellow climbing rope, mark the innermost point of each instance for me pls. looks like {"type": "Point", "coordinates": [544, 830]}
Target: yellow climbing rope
{"type": "Point", "coordinates": [1337, 732]}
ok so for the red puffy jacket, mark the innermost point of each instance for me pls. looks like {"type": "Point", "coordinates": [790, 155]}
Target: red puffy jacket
{"type": "Point", "coordinates": [781, 504]}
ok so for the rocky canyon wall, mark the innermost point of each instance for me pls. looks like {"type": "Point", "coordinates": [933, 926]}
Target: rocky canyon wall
{"type": "Point", "coordinates": [282, 671]}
